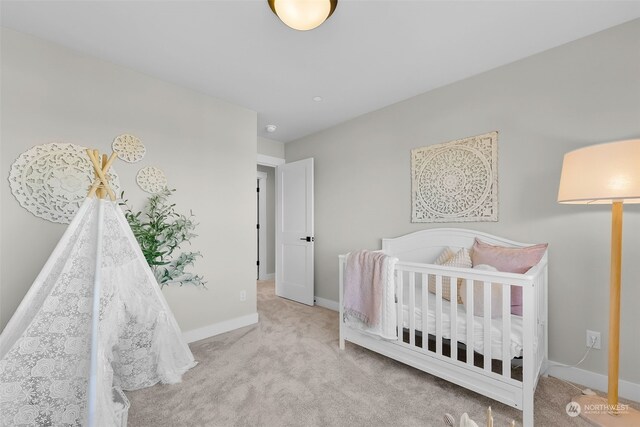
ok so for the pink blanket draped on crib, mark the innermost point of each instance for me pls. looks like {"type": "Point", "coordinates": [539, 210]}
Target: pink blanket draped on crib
{"type": "Point", "coordinates": [364, 285]}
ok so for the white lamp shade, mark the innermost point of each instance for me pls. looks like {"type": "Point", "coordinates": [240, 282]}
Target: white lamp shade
{"type": "Point", "coordinates": [602, 174]}
{"type": "Point", "coordinates": [303, 15]}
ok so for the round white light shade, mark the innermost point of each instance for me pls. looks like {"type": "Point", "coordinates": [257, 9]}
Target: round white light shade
{"type": "Point", "coordinates": [303, 15]}
{"type": "Point", "coordinates": [602, 174]}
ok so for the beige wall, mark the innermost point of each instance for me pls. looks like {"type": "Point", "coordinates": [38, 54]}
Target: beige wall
{"type": "Point", "coordinates": [578, 94]}
{"type": "Point", "coordinates": [206, 147]}
{"type": "Point", "coordinates": [271, 148]}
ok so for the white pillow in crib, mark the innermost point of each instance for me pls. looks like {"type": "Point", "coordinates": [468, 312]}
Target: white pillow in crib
{"type": "Point", "coordinates": [478, 294]}
{"type": "Point", "coordinates": [445, 256]}
{"type": "Point", "coordinates": [461, 259]}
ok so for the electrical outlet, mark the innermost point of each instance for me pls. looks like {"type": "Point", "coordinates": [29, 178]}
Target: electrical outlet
{"type": "Point", "coordinates": [243, 295]}
{"type": "Point", "coordinates": [591, 337]}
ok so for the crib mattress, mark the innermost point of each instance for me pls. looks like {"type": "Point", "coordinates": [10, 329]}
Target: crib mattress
{"type": "Point", "coordinates": [478, 327]}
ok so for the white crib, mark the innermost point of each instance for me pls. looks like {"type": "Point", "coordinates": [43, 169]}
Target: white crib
{"type": "Point", "coordinates": [485, 365]}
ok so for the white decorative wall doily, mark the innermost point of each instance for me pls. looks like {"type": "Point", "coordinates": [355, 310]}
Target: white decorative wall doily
{"type": "Point", "coordinates": [151, 179]}
{"type": "Point", "coordinates": [52, 180]}
{"type": "Point", "coordinates": [456, 181]}
{"type": "Point", "coordinates": [129, 148]}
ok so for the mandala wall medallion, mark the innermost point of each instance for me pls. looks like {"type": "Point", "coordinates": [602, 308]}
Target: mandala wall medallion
{"type": "Point", "coordinates": [151, 179]}
{"type": "Point", "coordinates": [456, 181]}
{"type": "Point", "coordinates": [52, 180]}
{"type": "Point", "coordinates": [129, 148]}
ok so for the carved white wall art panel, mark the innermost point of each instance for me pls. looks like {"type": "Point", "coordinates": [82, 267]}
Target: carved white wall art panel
{"type": "Point", "coordinates": [52, 180]}
{"type": "Point", "coordinates": [151, 179]}
{"type": "Point", "coordinates": [456, 181]}
{"type": "Point", "coordinates": [129, 148]}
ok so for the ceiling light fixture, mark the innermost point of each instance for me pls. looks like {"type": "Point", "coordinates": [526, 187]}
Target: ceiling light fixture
{"type": "Point", "coordinates": [271, 128]}
{"type": "Point", "coordinates": [317, 98]}
{"type": "Point", "coordinates": [303, 15]}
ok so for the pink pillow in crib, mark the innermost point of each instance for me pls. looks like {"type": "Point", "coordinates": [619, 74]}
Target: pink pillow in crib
{"type": "Point", "coordinates": [509, 260]}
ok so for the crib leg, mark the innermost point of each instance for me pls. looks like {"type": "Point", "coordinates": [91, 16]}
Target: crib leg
{"type": "Point", "coordinates": [527, 414]}
{"type": "Point", "coordinates": [527, 406]}
{"type": "Point", "coordinates": [340, 331]}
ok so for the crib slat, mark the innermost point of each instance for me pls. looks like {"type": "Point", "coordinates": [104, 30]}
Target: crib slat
{"type": "Point", "coordinates": [425, 311]}
{"type": "Point", "coordinates": [453, 318]}
{"type": "Point", "coordinates": [487, 326]}
{"type": "Point", "coordinates": [412, 308]}
{"type": "Point", "coordinates": [470, 322]}
{"type": "Point", "coordinates": [541, 331]}
{"type": "Point", "coordinates": [439, 314]}
{"type": "Point", "coordinates": [506, 331]}
{"type": "Point", "coordinates": [539, 316]}
{"type": "Point", "coordinates": [400, 309]}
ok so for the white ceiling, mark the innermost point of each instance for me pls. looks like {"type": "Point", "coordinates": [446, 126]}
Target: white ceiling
{"type": "Point", "coordinates": [369, 54]}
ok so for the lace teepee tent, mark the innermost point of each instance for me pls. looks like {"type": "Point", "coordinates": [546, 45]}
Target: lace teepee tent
{"type": "Point", "coordinates": [59, 362]}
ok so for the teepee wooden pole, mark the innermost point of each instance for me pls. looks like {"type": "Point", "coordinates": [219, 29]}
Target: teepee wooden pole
{"type": "Point", "coordinates": [93, 188]}
{"type": "Point", "coordinates": [112, 157]}
{"type": "Point", "coordinates": [101, 185]}
{"type": "Point", "coordinates": [101, 193]}
{"type": "Point", "coordinates": [104, 163]}
{"type": "Point", "coordinates": [105, 169]}
{"type": "Point", "coordinates": [96, 181]}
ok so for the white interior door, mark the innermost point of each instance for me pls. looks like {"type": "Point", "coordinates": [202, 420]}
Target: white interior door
{"type": "Point", "coordinates": [294, 231]}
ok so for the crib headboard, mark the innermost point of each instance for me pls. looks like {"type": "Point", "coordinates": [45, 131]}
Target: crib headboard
{"type": "Point", "coordinates": [425, 245]}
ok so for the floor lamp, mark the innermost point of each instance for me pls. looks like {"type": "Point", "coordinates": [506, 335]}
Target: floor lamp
{"type": "Point", "coordinates": [606, 174]}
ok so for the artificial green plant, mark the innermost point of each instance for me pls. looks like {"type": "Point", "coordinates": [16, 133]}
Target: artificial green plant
{"type": "Point", "coordinates": [160, 232]}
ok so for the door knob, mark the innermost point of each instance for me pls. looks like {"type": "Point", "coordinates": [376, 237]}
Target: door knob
{"type": "Point", "coordinates": [308, 239]}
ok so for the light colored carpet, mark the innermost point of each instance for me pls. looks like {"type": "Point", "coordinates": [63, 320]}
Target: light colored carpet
{"type": "Point", "coordinates": [288, 371]}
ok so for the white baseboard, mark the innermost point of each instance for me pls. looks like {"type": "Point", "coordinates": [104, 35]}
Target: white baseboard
{"type": "Point", "coordinates": [593, 380]}
{"type": "Point", "coordinates": [269, 276]}
{"type": "Point", "coordinates": [326, 303]}
{"type": "Point", "coordinates": [219, 328]}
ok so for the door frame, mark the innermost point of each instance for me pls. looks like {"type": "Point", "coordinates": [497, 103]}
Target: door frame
{"type": "Point", "coordinates": [262, 222]}
{"type": "Point", "coordinates": [273, 162]}
{"type": "Point", "coordinates": [270, 161]}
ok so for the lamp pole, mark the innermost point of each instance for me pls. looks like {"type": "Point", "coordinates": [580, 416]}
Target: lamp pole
{"type": "Point", "coordinates": [614, 304]}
